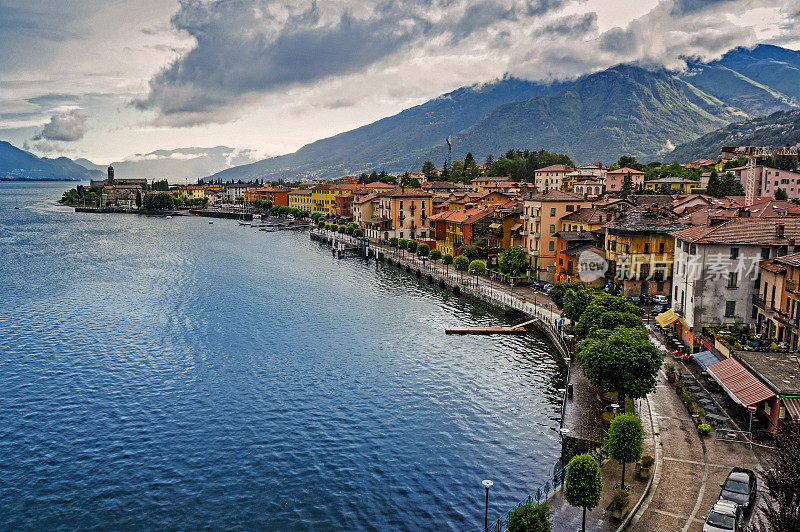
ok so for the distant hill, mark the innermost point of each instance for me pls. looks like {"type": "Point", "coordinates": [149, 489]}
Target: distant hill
{"type": "Point", "coordinates": [778, 129]}
{"type": "Point", "coordinates": [182, 164]}
{"type": "Point", "coordinates": [17, 164]}
{"type": "Point", "coordinates": [393, 142]}
{"type": "Point", "coordinates": [622, 110]}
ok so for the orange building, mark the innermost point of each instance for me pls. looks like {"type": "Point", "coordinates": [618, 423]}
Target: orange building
{"type": "Point", "coordinates": [278, 196]}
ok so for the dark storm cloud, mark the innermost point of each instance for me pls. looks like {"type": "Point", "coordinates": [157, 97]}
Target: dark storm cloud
{"type": "Point", "coordinates": [247, 47]}
{"type": "Point", "coordinates": [685, 7]}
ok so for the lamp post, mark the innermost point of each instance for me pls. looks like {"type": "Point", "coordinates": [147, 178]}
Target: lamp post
{"type": "Point", "coordinates": [486, 484]}
{"type": "Point", "coordinates": [563, 432]}
{"type": "Point", "coordinates": [614, 407]}
{"type": "Point", "coordinates": [752, 409]}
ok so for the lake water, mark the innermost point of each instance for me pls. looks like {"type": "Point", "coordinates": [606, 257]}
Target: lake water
{"type": "Point", "coordinates": [172, 374]}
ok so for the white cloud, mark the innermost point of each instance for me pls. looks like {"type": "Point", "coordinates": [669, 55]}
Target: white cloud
{"type": "Point", "coordinates": [67, 126]}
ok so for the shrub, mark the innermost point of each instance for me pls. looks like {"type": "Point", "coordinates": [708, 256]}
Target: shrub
{"type": "Point", "coordinates": [625, 438]}
{"type": "Point", "coordinates": [687, 397]}
{"type": "Point", "coordinates": [342, 229]}
{"type": "Point", "coordinates": [703, 429]}
{"type": "Point", "coordinates": [529, 517]}
{"type": "Point", "coordinates": [620, 498]}
{"type": "Point", "coordinates": [647, 460]}
{"type": "Point", "coordinates": [402, 243]}
{"type": "Point", "coordinates": [334, 228]}
{"type": "Point", "coordinates": [513, 259]}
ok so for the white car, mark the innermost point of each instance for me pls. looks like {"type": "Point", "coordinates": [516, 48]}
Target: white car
{"type": "Point", "coordinates": [660, 300]}
{"type": "Point", "coordinates": [725, 516]}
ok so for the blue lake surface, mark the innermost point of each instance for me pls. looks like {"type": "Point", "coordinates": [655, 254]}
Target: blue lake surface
{"type": "Point", "coordinates": [172, 374]}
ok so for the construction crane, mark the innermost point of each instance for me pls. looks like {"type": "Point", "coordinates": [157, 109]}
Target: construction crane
{"type": "Point", "coordinates": [753, 153]}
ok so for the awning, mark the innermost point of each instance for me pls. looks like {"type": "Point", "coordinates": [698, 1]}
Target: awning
{"type": "Point", "coordinates": [516, 226]}
{"type": "Point", "coordinates": [792, 405]}
{"type": "Point", "coordinates": [667, 317]}
{"type": "Point", "coordinates": [741, 385]}
{"type": "Point", "coordinates": [494, 226]}
{"type": "Point", "coordinates": [705, 359]}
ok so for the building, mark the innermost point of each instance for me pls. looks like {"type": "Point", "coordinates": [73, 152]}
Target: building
{"type": "Point", "coordinates": [588, 188]}
{"type": "Point", "coordinates": [278, 196]}
{"type": "Point", "coordinates": [585, 219]}
{"type": "Point", "coordinates": [121, 196]}
{"type": "Point", "coordinates": [505, 230]}
{"type": "Point", "coordinates": [453, 229]}
{"type": "Point", "coordinates": [480, 182]}
{"type": "Point", "coordinates": [542, 217]}
{"type": "Point", "coordinates": [323, 197]}
{"type": "Point", "coordinates": [235, 192]}
{"type": "Point", "coordinates": [443, 187]}
{"type": "Point", "coordinates": [551, 177]}
{"type": "Point", "coordinates": [640, 250]}
{"type": "Point", "coordinates": [344, 206]}
{"type": "Point", "coordinates": [769, 180]}
{"type": "Point", "coordinates": [191, 192]}
{"type": "Point", "coordinates": [400, 212]}
{"type": "Point", "coordinates": [675, 185]}
{"type": "Point", "coordinates": [299, 198]}
{"type": "Point", "coordinates": [569, 246]}
{"type": "Point", "coordinates": [615, 179]}
{"type": "Point", "coordinates": [716, 271]}
{"type": "Point", "coordinates": [112, 180]}
{"type": "Point", "coordinates": [779, 299]}
{"type": "Point", "coordinates": [580, 175]}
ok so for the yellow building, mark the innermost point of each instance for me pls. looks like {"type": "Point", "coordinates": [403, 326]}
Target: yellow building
{"type": "Point", "coordinates": [480, 182]}
{"type": "Point", "coordinates": [677, 185]}
{"type": "Point", "coordinates": [323, 197]}
{"type": "Point", "coordinates": [586, 219]}
{"type": "Point", "coordinates": [640, 250]}
{"type": "Point", "coordinates": [192, 192]}
{"type": "Point", "coordinates": [300, 199]}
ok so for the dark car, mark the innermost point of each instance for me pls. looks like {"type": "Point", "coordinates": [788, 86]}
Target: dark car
{"type": "Point", "coordinates": [658, 309]}
{"type": "Point", "coordinates": [740, 487]}
{"type": "Point", "coordinates": [538, 284]}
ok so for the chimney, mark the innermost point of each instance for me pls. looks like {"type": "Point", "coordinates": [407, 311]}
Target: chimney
{"type": "Point", "coordinates": [779, 230]}
{"type": "Point", "coordinates": [744, 212]}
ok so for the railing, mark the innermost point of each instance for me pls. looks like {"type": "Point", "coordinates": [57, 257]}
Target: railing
{"type": "Point", "coordinates": [541, 494]}
{"type": "Point", "coordinates": [759, 302]}
{"type": "Point", "coordinates": [791, 286]}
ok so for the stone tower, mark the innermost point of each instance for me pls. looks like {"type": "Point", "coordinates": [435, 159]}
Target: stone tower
{"type": "Point", "coordinates": [110, 175]}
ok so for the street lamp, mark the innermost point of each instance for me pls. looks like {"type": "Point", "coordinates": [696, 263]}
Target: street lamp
{"type": "Point", "coordinates": [614, 407]}
{"type": "Point", "coordinates": [486, 484]}
{"type": "Point", "coordinates": [564, 432]}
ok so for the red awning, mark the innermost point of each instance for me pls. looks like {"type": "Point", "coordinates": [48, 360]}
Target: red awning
{"type": "Point", "coordinates": [792, 405]}
{"type": "Point", "coordinates": [741, 385]}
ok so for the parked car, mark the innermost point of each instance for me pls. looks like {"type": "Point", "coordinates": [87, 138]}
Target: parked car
{"type": "Point", "coordinates": [658, 309]}
{"type": "Point", "coordinates": [547, 287]}
{"type": "Point", "coordinates": [724, 516]}
{"type": "Point", "coordinates": [538, 284]}
{"type": "Point", "coordinates": [660, 300]}
{"type": "Point", "coordinates": [636, 300]}
{"type": "Point", "coordinates": [740, 487]}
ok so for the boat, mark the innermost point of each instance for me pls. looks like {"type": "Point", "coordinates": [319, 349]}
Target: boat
{"type": "Point", "coordinates": [210, 222]}
{"type": "Point", "coordinates": [169, 217]}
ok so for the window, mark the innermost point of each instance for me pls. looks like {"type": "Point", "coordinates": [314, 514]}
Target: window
{"type": "Point", "coordinates": [764, 253]}
{"type": "Point", "coordinates": [647, 247]}
{"type": "Point", "coordinates": [552, 228]}
{"type": "Point", "coordinates": [693, 249]}
{"type": "Point", "coordinates": [659, 287]}
{"type": "Point", "coordinates": [552, 246]}
{"type": "Point", "coordinates": [661, 247]}
{"type": "Point", "coordinates": [734, 253]}
{"type": "Point", "coordinates": [733, 279]}
{"type": "Point", "coordinates": [730, 309]}
{"type": "Point", "coordinates": [570, 208]}
{"type": "Point", "coordinates": [560, 261]}
{"type": "Point", "coordinates": [552, 211]}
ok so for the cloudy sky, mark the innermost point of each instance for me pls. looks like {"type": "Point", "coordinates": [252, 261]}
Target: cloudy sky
{"type": "Point", "coordinates": [105, 79]}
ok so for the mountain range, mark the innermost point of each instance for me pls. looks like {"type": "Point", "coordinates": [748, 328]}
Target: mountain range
{"type": "Point", "coordinates": [17, 164]}
{"type": "Point", "coordinates": [624, 110]}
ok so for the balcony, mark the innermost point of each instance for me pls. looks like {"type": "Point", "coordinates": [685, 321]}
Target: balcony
{"type": "Point", "coordinates": [401, 217]}
{"type": "Point", "coordinates": [412, 208]}
{"type": "Point", "coordinates": [423, 217]}
{"type": "Point", "coordinates": [791, 286]}
{"type": "Point", "coordinates": [785, 319]}
{"type": "Point", "coordinates": [759, 302]}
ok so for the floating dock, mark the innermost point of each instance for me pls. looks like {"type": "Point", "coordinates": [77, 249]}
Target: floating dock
{"type": "Point", "coordinates": [516, 329]}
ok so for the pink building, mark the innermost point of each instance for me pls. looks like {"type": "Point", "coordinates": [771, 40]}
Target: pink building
{"type": "Point", "coordinates": [769, 180]}
{"type": "Point", "coordinates": [615, 179]}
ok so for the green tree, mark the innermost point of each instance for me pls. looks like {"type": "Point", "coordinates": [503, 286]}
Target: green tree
{"type": "Point", "coordinates": [158, 201]}
{"type": "Point", "coordinates": [730, 186]}
{"type": "Point", "coordinates": [445, 175]}
{"type": "Point", "coordinates": [471, 251]}
{"type": "Point", "coordinates": [576, 300]}
{"type": "Point", "coordinates": [529, 517]}
{"type": "Point", "coordinates": [625, 437]}
{"type": "Point", "coordinates": [412, 246]}
{"type": "Point", "coordinates": [513, 260]}
{"type": "Point", "coordinates": [138, 199]}
{"type": "Point", "coordinates": [559, 291]}
{"type": "Point", "coordinates": [477, 267]}
{"type": "Point", "coordinates": [358, 233]}
{"type": "Point", "coordinates": [349, 230]}
{"type": "Point", "coordinates": [402, 245]}
{"type": "Point", "coordinates": [334, 228]}
{"type": "Point", "coordinates": [461, 263]}
{"type": "Point", "coordinates": [623, 361]}
{"type": "Point", "coordinates": [428, 169]}
{"type": "Point", "coordinates": [394, 242]}
{"type": "Point", "coordinates": [714, 187]}
{"type": "Point", "coordinates": [781, 195]}
{"type": "Point", "coordinates": [593, 317]}
{"type": "Point", "coordinates": [469, 160]}
{"type": "Point", "coordinates": [583, 484]}
{"type": "Point", "coordinates": [447, 258]}
{"type": "Point", "coordinates": [436, 254]}
{"type": "Point", "coordinates": [423, 250]}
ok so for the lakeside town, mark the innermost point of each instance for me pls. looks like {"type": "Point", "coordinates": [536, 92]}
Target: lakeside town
{"type": "Point", "coordinates": [673, 288]}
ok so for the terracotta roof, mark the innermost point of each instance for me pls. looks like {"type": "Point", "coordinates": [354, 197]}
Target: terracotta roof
{"type": "Point", "coordinates": [441, 185]}
{"type": "Point", "coordinates": [771, 266]}
{"type": "Point", "coordinates": [575, 236]}
{"type": "Point", "coordinates": [555, 168]}
{"type": "Point", "coordinates": [557, 195]}
{"type": "Point", "coordinates": [301, 191]}
{"type": "Point", "coordinates": [670, 180]}
{"type": "Point", "coordinates": [496, 178]}
{"type": "Point", "coordinates": [625, 170]}
{"type": "Point", "coordinates": [378, 184]}
{"type": "Point", "coordinates": [467, 216]}
{"type": "Point", "coordinates": [745, 231]}
{"type": "Point", "coordinates": [588, 183]}
{"type": "Point", "coordinates": [789, 260]}
{"type": "Point", "coordinates": [368, 197]}
{"type": "Point", "coordinates": [400, 192]}
{"type": "Point", "coordinates": [651, 219]}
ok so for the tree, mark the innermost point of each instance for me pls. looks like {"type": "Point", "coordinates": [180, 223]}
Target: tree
{"type": "Point", "coordinates": [461, 263]}
{"type": "Point", "coordinates": [594, 317]}
{"type": "Point", "coordinates": [158, 201]}
{"type": "Point", "coordinates": [560, 290]}
{"type": "Point", "coordinates": [730, 186]}
{"type": "Point", "coordinates": [513, 260]}
{"type": "Point", "coordinates": [471, 251]}
{"type": "Point", "coordinates": [423, 250]}
{"type": "Point", "coordinates": [427, 169]}
{"type": "Point", "coordinates": [529, 517]}
{"type": "Point", "coordinates": [402, 244]}
{"type": "Point", "coordinates": [583, 484]}
{"type": "Point", "coordinates": [576, 301]}
{"type": "Point", "coordinates": [394, 242]}
{"type": "Point", "coordinates": [622, 360]}
{"type": "Point", "coordinates": [477, 268]}
{"type": "Point", "coordinates": [138, 199]}
{"type": "Point", "coordinates": [358, 233]}
{"type": "Point", "coordinates": [714, 187]}
{"type": "Point", "coordinates": [412, 246]}
{"type": "Point", "coordinates": [447, 260]}
{"type": "Point", "coordinates": [625, 438]}
{"type": "Point", "coordinates": [445, 175]}
{"type": "Point", "coordinates": [469, 160]}
{"type": "Point", "coordinates": [781, 510]}
{"type": "Point", "coordinates": [435, 254]}
{"type": "Point", "coordinates": [781, 195]}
